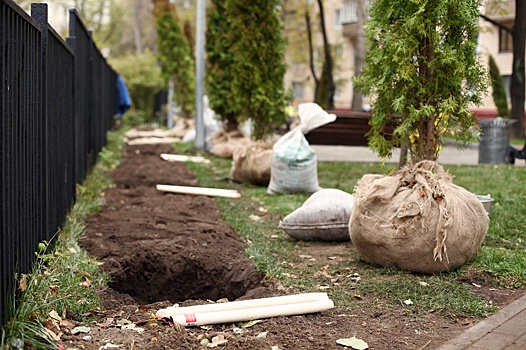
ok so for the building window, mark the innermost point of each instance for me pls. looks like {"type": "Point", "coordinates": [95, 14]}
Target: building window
{"type": "Point", "coordinates": [506, 81]}
{"type": "Point", "coordinates": [338, 19]}
{"type": "Point", "coordinates": [338, 51]}
{"type": "Point", "coordinates": [505, 41]}
{"type": "Point", "coordinates": [298, 90]}
{"type": "Point", "coordinates": [350, 12]}
{"type": "Point", "coordinates": [337, 92]}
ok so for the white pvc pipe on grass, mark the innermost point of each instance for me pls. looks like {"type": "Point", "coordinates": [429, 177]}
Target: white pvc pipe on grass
{"type": "Point", "coordinates": [247, 314]}
{"type": "Point", "coordinates": [183, 158]}
{"type": "Point", "coordinates": [217, 192]}
{"type": "Point", "coordinates": [243, 304]}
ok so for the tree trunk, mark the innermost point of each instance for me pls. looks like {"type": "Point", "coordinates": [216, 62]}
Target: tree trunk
{"type": "Point", "coordinates": [311, 54]}
{"type": "Point", "coordinates": [328, 66]}
{"type": "Point", "coordinates": [359, 54]}
{"type": "Point", "coordinates": [137, 25]}
{"type": "Point", "coordinates": [517, 78]}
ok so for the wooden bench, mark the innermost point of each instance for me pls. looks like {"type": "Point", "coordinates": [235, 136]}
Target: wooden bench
{"type": "Point", "coordinates": [348, 129]}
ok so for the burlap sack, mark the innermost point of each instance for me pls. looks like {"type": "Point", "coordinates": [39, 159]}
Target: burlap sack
{"type": "Point", "coordinates": [252, 163]}
{"type": "Point", "coordinates": [324, 216]}
{"type": "Point", "coordinates": [417, 220]}
{"type": "Point", "coordinates": [181, 127]}
{"type": "Point", "coordinates": [224, 143]}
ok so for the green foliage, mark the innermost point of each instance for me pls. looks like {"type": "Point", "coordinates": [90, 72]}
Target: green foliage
{"type": "Point", "coordinates": [422, 73]}
{"type": "Point", "coordinates": [499, 92]}
{"type": "Point", "coordinates": [256, 45]}
{"type": "Point", "coordinates": [177, 63]}
{"type": "Point", "coordinates": [219, 73]}
{"type": "Point", "coordinates": [138, 69]}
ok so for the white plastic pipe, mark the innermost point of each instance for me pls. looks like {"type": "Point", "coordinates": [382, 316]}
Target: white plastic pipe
{"type": "Point", "coordinates": [243, 304]}
{"type": "Point", "coordinates": [217, 192]}
{"type": "Point", "coordinates": [230, 316]}
{"type": "Point", "coordinates": [183, 158]}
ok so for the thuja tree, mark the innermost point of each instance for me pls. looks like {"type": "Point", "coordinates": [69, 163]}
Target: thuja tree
{"type": "Point", "coordinates": [255, 41]}
{"type": "Point", "coordinates": [219, 71]}
{"type": "Point", "coordinates": [422, 74]}
{"type": "Point", "coordinates": [177, 64]}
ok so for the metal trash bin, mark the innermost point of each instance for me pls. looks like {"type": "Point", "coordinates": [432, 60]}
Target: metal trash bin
{"type": "Point", "coordinates": [495, 141]}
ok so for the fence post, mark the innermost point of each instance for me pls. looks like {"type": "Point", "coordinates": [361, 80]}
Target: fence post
{"type": "Point", "coordinates": [39, 12]}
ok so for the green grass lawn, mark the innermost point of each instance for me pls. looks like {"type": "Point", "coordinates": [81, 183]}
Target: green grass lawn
{"type": "Point", "coordinates": [501, 262]}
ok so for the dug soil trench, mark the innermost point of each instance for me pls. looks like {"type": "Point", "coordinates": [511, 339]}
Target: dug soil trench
{"type": "Point", "coordinates": [163, 248]}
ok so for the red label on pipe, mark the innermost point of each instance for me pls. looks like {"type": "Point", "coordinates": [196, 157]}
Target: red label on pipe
{"type": "Point", "coordinates": [191, 320]}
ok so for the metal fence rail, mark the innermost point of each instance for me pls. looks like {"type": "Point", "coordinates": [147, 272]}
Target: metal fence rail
{"type": "Point", "coordinates": [57, 101]}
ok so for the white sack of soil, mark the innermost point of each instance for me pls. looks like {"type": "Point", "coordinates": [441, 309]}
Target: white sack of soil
{"type": "Point", "coordinates": [294, 167]}
{"type": "Point", "coordinates": [417, 220]}
{"type": "Point", "coordinates": [252, 163]}
{"type": "Point", "coordinates": [324, 216]}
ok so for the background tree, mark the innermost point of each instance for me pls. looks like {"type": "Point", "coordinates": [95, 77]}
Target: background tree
{"type": "Point", "coordinates": [312, 65]}
{"type": "Point", "coordinates": [359, 53]}
{"type": "Point", "coordinates": [420, 55]}
{"type": "Point", "coordinates": [256, 43]}
{"type": "Point", "coordinates": [517, 87]}
{"type": "Point", "coordinates": [174, 54]}
{"type": "Point", "coordinates": [219, 75]}
{"type": "Point", "coordinates": [518, 84]}
{"type": "Point", "coordinates": [498, 92]}
{"type": "Point", "coordinates": [327, 88]}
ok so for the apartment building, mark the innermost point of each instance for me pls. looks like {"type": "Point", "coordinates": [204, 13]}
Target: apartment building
{"type": "Point", "coordinates": [341, 18]}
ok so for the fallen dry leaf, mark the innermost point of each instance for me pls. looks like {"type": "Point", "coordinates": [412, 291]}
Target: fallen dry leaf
{"type": "Point", "coordinates": [54, 315]}
{"type": "Point", "coordinates": [216, 341]}
{"type": "Point", "coordinates": [52, 325]}
{"type": "Point", "coordinates": [85, 284]}
{"type": "Point", "coordinates": [80, 329]}
{"type": "Point", "coordinates": [262, 335]}
{"type": "Point", "coordinates": [250, 323]}
{"type": "Point", "coordinates": [51, 334]}
{"type": "Point", "coordinates": [321, 274]}
{"type": "Point", "coordinates": [84, 274]}
{"type": "Point", "coordinates": [22, 285]}
{"type": "Point", "coordinates": [254, 218]}
{"type": "Point", "coordinates": [353, 342]}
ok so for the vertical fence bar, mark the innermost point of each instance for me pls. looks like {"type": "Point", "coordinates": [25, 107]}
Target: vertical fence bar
{"type": "Point", "coordinates": [39, 12]}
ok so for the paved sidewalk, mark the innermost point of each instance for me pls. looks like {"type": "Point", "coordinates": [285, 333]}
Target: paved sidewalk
{"type": "Point", "coordinates": [505, 330]}
{"type": "Point", "coordinates": [449, 155]}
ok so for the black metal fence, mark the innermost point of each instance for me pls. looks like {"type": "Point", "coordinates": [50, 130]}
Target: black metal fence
{"type": "Point", "coordinates": [57, 101]}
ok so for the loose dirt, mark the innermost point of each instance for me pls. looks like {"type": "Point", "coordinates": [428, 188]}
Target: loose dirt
{"type": "Point", "coordinates": [162, 248]}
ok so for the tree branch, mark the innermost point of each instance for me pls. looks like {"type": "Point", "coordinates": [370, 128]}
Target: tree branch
{"type": "Point", "coordinates": [495, 23]}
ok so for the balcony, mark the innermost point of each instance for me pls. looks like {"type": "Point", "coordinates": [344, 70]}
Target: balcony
{"type": "Point", "coordinates": [350, 30]}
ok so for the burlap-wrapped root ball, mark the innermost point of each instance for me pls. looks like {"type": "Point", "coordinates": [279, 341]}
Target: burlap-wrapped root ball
{"type": "Point", "coordinates": [417, 220]}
